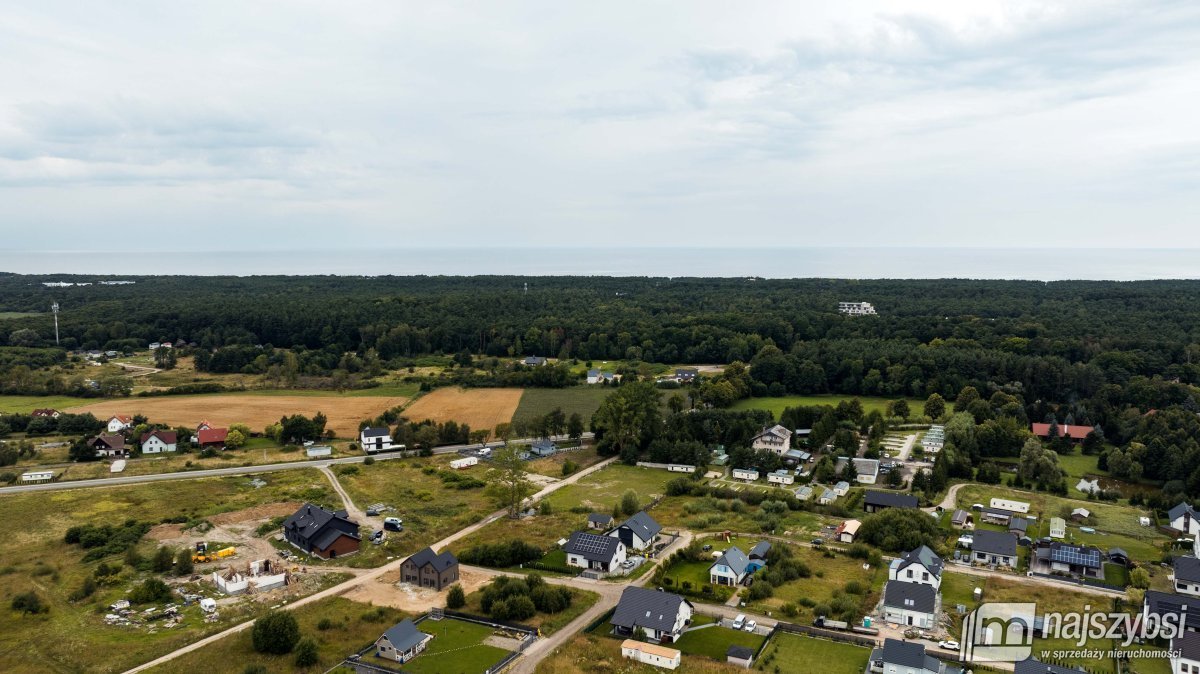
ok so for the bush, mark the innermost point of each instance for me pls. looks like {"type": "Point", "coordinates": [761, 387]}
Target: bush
{"type": "Point", "coordinates": [348, 470]}
{"type": "Point", "coordinates": [306, 652]}
{"type": "Point", "coordinates": [325, 624]}
{"type": "Point", "coordinates": [549, 599]}
{"type": "Point", "coordinates": [162, 560]}
{"type": "Point", "coordinates": [569, 467]}
{"type": "Point", "coordinates": [501, 555]}
{"type": "Point", "coordinates": [457, 598]}
{"type": "Point", "coordinates": [276, 632]}
{"type": "Point", "coordinates": [520, 607]}
{"type": "Point", "coordinates": [86, 590]}
{"type": "Point", "coordinates": [855, 587]}
{"type": "Point", "coordinates": [369, 461]}
{"type": "Point", "coordinates": [104, 540]}
{"type": "Point", "coordinates": [152, 590]}
{"type": "Point", "coordinates": [255, 669]}
{"type": "Point", "coordinates": [29, 602]}
{"type": "Point", "coordinates": [629, 503]}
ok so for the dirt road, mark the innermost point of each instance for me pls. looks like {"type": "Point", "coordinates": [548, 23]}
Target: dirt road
{"type": "Point", "coordinates": [372, 575]}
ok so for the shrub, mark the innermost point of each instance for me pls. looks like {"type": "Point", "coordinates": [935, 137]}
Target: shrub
{"type": "Point", "coordinates": [325, 624]}
{"type": "Point", "coordinates": [520, 607]}
{"type": "Point", "coordinates": [152, 590]}
{"type": "Point", "coordinates": [86, 590]}
{"type": "Point", "coordinates": [629, 503]}
{"type": "Point", "coordinates": [790, 610]}
{"type": "Point", "coordinates": [378, 615]}
{"type": "Point", "coordinates": [855, 587]}
{"type": "Point", "coordinates": [162, 560]}
{"type": "Point", "coordinates": [348, 470]}
{"type": "Point", "coordinates": [457, 598]}
{"type": "Point", "coordinates": [276, 632]}
{"type": "Point", "coordinates": [306, 652]}
{"type": "Point", "coordinates": [501, 555]}
{"type": "Point", "coordinates": [183, 563]}
{"type": "Point", "coordinates": [549, 599]}
{"type": "Point", "coordinates": [369, 461]}
{"type": "Point", "coordinates": [29, 602]}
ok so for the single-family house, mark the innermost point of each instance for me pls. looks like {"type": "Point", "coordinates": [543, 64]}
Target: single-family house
{"type": "Point", "coordinates": [904, 657]}
{"type": "Point", "coordinates": [1019, 527]}
{"type": "Point", "coordinates": [776, 438]}
{"type": "Point", "coordinates": [994, 547]}
{"type": "Point", "coordinates": [882, 500]}
{"type": "Point", "coordinates": [600, 377]}
{"type": "Point", "coordinates": [153, 345]}
{"type": "Point", "coordinates": [662, 616]}
{"type": "Point", "coordinates": [828, 496]}
{"type": "Point", "coordinates": [961, 519]}
{"type": "Point", "coordinates": [1185, 519]}
{"type": "Point", "coordinates": [156, 442]}
{"type": "Point", "coordinates": [1187, 576]}
{"type": "Point", "coordinates": [534, 361]}
{"type": "Point", "coordinates": [804, 493]}
{"type": "Point", "coordinates": [639, 532]}
{"type": "Point", "coordinates": [731, 569]}
{"type": "Point", "coordinates": [841, 488]}
{"type": "Point", "coordinates": [1162, 604]}
{"type": "Point", "coordinates": [739, 656]}
{"type": "Point", "coordinates": [1185, 653]}
{"type": "Point", "coordinates": [910, 604]}
{"type": "Point", "coordinates": [758, 555]}
{"type": "Point", "coordinates": [781, 476]}
{"type": "Point", "coordinates": [686, 375]}
{"type": "Point", "coordinates": [1080, 514]}
{"type": "Point", "coordinates": [651, 654]}
{"type": "Point", "coordinates": [1076, 560]}
{"type": "Point", "coordinates": [45, 412]}
{"type": "Point", "coordinates": [1019, 507]}
{"type": "Point", "coordinates": [866, 471]}
{"type": "Point", "coordinates": [119, 422]}
{"type": "Point", "coordinates": [375, 439]}
{"type": "Point", "coordinates": [595, 552]}
{"type": "Point", "coordinates": [1050, 431]}
{"type": "Point", "coordinates": [599, 521]}
{"type": "Point", "coordinates": [543, 447]}
{"type": "Point", "coordinates": [212, 437]}
{"type": "Point", "coordinates": [430, 569]}
{"type": "Point", "coordinates": [402, 642]}
{"type": "Point", "coordinates": [920, 566]}
{"type": "Point", "coordinates": [205, 423]}
{"type": "Point", "coordinates": [1058, 527]}
{"type": "Point", "coordinates": [747, 474]}
{"type": "Point", "coordinates": [109, 445]}
{"type": "Point", "coordinates": [847, 531]}
{"type": "Point", "coordinates": [324, 533]}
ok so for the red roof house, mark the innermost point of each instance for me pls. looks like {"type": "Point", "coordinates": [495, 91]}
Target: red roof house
{"type": "Point", "coordinates": [1076, 433]}
{"type": "Point", "coordinates": [44, 412]}
{"type": "Point", "coordinates": [207, 437]}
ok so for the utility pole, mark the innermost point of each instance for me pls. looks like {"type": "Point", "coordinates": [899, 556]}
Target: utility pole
{"type": "Point", "coordinates": [54, 308]}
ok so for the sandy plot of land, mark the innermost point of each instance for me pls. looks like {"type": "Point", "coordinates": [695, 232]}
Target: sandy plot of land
{"type": "Point", "coordinates": [257, 412]}
{"type": "Point", "coordinates": [388, 591]}
{"type": "Point", "coordinates": [480, 408]}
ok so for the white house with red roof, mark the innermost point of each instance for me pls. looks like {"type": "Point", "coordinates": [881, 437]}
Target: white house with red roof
{"type": "Point", "coordinates": [119, 422]}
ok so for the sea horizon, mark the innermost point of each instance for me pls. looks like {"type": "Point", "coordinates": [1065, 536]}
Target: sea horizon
{"type": "Point", "coordinates": [780, 262]}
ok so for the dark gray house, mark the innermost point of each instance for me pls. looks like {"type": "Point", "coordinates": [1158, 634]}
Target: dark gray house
{"type": "Point", "coordinates": [661, 615]}
{"type": "Point", "coordinates": [882, 500]}
{"type": "Point", "coordinates": [430, 569]}
{"type": "Point", "coordinates": [638, 532]}
{"type": "Point", "coordinates": [324, 533]}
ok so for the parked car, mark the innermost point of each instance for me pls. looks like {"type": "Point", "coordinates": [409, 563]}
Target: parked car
{"type": "Point", "coordinates": [818, 541]}
{"type": "Point", "coordinates": [739, 621]}
{"type": "Point", "coordinates": [393, 524]}
{"type": "Point", "coordinates": [628, 564]}
{"type": "Point", "coordinates": [372, 512]}
{"type": "Point", "coordinates": [706, 548]}
{"type": "Point", "coordinates": [948, 645]}
{"type": "Point", "coordinates": [750, 626]}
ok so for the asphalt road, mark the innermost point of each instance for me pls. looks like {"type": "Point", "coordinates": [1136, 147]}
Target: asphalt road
{"type": "Point", "coordinates": [238, 470]}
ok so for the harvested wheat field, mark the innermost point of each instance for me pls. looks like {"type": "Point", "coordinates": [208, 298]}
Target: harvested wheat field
{"type": "Point", "coordinates": [480, 408]}
{"type": "Point", "coordinates": [257, 412]}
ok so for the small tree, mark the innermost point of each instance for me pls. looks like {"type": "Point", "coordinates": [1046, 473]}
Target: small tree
{"type": "Point", "coordinates": [29, 602]}
{"type": "Point", "coordinates": [457, 598]}
{"type": "Point", "coordinates": [900, 409]}
{"type": "Point", "coordinates": [629, 502]}
{"type": "Point", "coordinates": [162, 560]}
{"type": "Point", "coordinates": [306, 652]}
{"type": "Point", "coordinates": [276, 632]}
{"type": "Point", "coordinates": [235, 439]}
{"type": "Point", "coordinates": [1139, 578]}
{"type": "Point", "coordinates": [183, 563]}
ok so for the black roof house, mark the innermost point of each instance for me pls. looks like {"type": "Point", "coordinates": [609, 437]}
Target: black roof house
{"type": "Point", "coordinates": [592, 547]}
{"type": "Point", "coordinates": [878, 500]}
{"type": "Point", "coordinates": [647, 609]}
{"type": "Point", "coordinates": [313, 528]}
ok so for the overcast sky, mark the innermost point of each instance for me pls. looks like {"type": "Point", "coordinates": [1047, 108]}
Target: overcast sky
{"type": "Point", "coordinates": [167, 125]}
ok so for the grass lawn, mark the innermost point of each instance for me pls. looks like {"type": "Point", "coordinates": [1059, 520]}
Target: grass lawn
{"type": "Point", "coordinates": [72, 636]}
{"type": "Point", "coordinates": [349, 633]}
{"type": "Point", "coordinates": [797, 653]}
{"type": "Point", "coordinates": [594, 654]}
{"type": "Point", "coordinates": [696, 573]}
{"type": "Point", "coordinates": [457, 648]}
{"type": "Point", "coordinates": [27, 404]}
{"type": "Point", "coordinates": [552, 465]}
{"type": "Point", "coordinates": [712, 642]}
{"type": "Point", "coordinates": [583, 400]}
{"type": "Point", "coordinates": [1116, 525]}
{"type": "Point", "coordinates": [776, 405]}
{"type": "Point", "coordinates": [430, 510]}
{"type": "Point", "coordinates": [603, 489]}
{"type": "Point", "coordinates": [1115, 574]}
{"type": "Point", "coordinates": [830, 576]}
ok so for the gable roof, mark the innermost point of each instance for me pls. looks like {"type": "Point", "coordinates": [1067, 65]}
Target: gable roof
{"type": "Point", "coordinates": [1032, 666]}
{"type": "Point", "coordinates": [375, 432]}
{"type": "Point", "coordinates": [994, 543]}
{"type": "Point", "coordinates": [1164, 603]}
{"type": "Point", "coordinates": [1187, 568]}
{"type": "Point", "coordinates": [1186, 644]}
{"type": "Point", "coordinates": [960, 516]}
{"type": "Point", "coordinates": [648, 609]}
{"type": "Point", "coordinates": [440, 562]}
{"type": "Point", "coordinates": [592, 547]}
{"type": "Point", "coordinates": [910, 596]}
{"type": "Point", "coordinates": [1018, 524]}
{"type": "Point", "coordinates": [652, 649]}
{"type": "Point", "coordinates": [123, 418]}
{"type": "Point", "coordinates": [1180, 510]}
{"type": "Point", "coordinates": [311, 523]}
{"type": "Point", "coordinates": [760, 550]}
{"type": "Point", "coordinates": [890, 499]}
{"type": "Point", "coordinates": [109, 441]}
{"type": "Point", "coordinates": [735, 559]}
{"type": "Point", "coordinates": [600, 518]}
{"type": "Point", "coordinates": [905, 654]}
{"type": "Point", "coordinates": [777, 430]}
{"type": "Point", "coordinates": [924, 556]}
{"type": "Point", "coordinates": [643, 525]}
{"type": "Point", "coordinates": [1064, 431]}
{"type": "Point", "coordinates": [206, 435]}
{"type": "Point", "coordinates": [168, 437]}
{"type": "Point", "coordinates": [404, 635]}
{"type": "Point", "coordinates": [739, 652]}
{"type": "Point", "coordinates": [1079, 555]}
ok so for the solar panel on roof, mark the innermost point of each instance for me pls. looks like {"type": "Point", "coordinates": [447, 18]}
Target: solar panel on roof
{"type": "Point", "coordinates": [1075, 556]}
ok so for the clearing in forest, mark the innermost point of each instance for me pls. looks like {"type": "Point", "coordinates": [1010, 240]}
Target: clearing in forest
{"type": "Point", "coordinates": [256, 411]}
{"type": "Point", "coordinates": [480, 408]}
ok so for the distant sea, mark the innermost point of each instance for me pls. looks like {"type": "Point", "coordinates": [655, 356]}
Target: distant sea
{"type": "Point", "coordinates": [1042, 264]}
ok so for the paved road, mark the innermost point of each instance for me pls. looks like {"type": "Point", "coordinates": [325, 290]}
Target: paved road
{"type": "Point", "coordinates": [366, 577]}
{"type": "Point", "coordinates": [236, 470]}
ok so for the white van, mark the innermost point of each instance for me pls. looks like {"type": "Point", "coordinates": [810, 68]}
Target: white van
{"type": "Point", "coordinates": [739, 621]}
{"type": "Point", "coordinates": [485, 452]}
